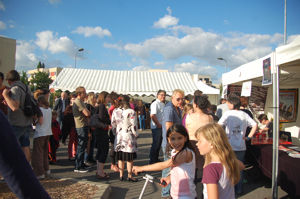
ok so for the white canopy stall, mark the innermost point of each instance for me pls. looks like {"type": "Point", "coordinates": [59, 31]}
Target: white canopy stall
{"type": "Point", "coordinates": [212, 93]}
{"type": "Point", "coordinates": [285, 67]}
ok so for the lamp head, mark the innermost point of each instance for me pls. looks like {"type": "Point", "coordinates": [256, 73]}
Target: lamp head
{"type": "Point", "coordinates": [80, 49]}
{"type": "Point", "coordinates": [220, 58]}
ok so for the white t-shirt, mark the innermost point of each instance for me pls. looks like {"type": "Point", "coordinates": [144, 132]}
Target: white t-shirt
{"type": "Point", "coordinates": [236, 123]}
{"type": "Point", "coordinates": [182, 179]}
{"type": "Point", "coordinates": [45, 128]}
{"type": "Point", "coordinates": [215, 173]}
{"type": "Point", "coordinates": [156, 109]}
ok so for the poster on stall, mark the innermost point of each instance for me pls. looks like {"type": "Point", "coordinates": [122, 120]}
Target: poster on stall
{"type": "Point", "coordinates": [257, 99]}
{"type": "Point", "coordinates": [246, 89]}
{"type": "Point", "coordinates": [267, 77]}
{"type": "Point", "coordinates": [288, 105]}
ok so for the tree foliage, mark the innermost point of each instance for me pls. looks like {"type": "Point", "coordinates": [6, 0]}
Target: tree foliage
{"type": "Point", "coordinates": [23, 77]}
{"type": "Point", "coordinates": [40, 79]}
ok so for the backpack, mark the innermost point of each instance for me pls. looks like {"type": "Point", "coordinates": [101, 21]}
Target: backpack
{"type": "Point", "coordinates": [31, 104]}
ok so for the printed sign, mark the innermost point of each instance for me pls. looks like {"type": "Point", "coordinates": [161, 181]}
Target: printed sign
{"type": "Point", "coordinates": [267, 77]}
{"type": "Point", "coordinates": [246, 89]}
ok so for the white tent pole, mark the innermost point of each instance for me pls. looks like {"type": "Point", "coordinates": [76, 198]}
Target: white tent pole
{"type": "Point", "coordinates": [275, 134]}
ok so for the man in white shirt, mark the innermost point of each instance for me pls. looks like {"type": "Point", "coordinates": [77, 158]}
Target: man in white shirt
{"type": "Point", "coordinates": [222, 108]}
{"type": "Point", "coordinates": [236, 123]}
{"type": "Point", "coordinates": [156, 125]}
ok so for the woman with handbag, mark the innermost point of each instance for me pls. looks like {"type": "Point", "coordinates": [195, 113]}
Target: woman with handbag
{"type": "Point", "coordinates": [91, 102]}
{"type": "Point", "coordinates": [124, 126]}
{"type": "Point", "coordinates": [102, 134]}
{"type": "Point", "coordinates": [114, 99]}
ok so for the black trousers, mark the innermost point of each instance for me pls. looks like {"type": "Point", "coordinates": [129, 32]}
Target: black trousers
{"type": "Point", "coordinates": [102, 144]}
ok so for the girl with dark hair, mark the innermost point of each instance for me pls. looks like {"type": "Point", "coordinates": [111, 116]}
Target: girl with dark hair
{"type": "Point", "coordinates": [102, 134]}
{"type": "Point", "coordinates": [114, 99]}
{"type": "Point", "coordinates": [193, 122]}
{"type": "Point", "coordinates": [40, 162]}
{"type": "Point", "coordinates": [183, 163]}
{"type": "Point", "coordinates": [124, 126]}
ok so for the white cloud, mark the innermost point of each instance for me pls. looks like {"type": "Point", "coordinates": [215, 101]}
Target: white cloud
{"type": "Point", "coordinates": [54, 2]}
{"type": "Point", "coordinates": [195, 67]}
{"type": "Point", "coordinates": [144, 62]}
{"type": "Point", "coordinates": [10, 21]}
{"type": "Point", "coordinates": [2, 25]}
{"type": "Point", "coordinates": [128, 64]}
{"type": "Point", "coordinates": [69, 66]}
{"type": "Point", "coordinates": [141, 68]}
{"type": "Point", "coordinates": [112, 46]}
{"type": "Point", "coordinates": [2, 6]}
{"type": "Point", "coordinates": [44, 38]}
{"type": "Point", "coordinates": [236, 48]}
{"type": "Point", "coordinates": [134, 60]}
{"type": "Point", "coordinates": [166, 21]}
{"type": "Point", "coordinates": [160, 64]}
{"type": "Point", "coordinates": [25, 57]}
{"type": "Point", "coordinates": [226, 22]}
{"type": "Point", "coordinates": [90, 31]}
{"type": "Point", "coordinates": [11, 26]}
{"type": "Point", "coordinates": [95, 61]}
{"type": "Point", "coordinates": [47, 41]}
{"type": "Point", "coordinates": [169, 10]}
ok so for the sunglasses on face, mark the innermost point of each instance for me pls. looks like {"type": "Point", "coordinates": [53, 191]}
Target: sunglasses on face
{"type": "Point", "coordinates": [178, 99]}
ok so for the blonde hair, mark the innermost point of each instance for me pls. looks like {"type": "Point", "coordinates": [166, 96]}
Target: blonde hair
{"type": "Point", "coordinates": [215, 134]}
{"type": "Point", "coordinates": [177, 91]}
{"type": "Point", "coordinates": [37, 93]}
{"type": "Point", "coordinates": [186, 109]}
{"type": "Point", "coordinates": [90, 99]}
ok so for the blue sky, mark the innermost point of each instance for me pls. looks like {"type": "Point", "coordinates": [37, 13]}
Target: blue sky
{"type": "Point", "coordinates": [182, 36]}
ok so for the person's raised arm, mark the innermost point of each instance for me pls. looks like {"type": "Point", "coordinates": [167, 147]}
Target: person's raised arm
{"type": "Point", "coordinates": [264, 130]}
{"type": "Point", "coordinates": [13, 104]}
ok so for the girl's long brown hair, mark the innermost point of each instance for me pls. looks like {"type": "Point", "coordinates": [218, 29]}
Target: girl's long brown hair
{"type": "Point", "coordinates": [215, 134]}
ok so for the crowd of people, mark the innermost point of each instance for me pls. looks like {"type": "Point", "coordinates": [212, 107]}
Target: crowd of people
{"type": "Point", "coordinates": [203, 145]}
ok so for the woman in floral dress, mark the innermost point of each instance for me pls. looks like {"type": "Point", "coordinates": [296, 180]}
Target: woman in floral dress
{"type": "Point", "coordinates": [124, 126]}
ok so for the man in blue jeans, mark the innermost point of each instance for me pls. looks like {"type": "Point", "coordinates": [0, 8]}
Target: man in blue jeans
{"type": "Point", "coordinates": [171, 115]}
{"type": "Point", "coordinates": [156, 127]}
{"type": "Point", "coordinates": [81, 116]}
{"type": "Point", "coordinates": [15, 99]}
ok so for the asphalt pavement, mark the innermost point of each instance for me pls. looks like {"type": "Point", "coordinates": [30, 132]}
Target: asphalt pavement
{"type": "Point", "coordinates": [124, 190]}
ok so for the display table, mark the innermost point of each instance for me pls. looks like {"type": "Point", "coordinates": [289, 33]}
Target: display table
{"type": "Point", "coordinates": [288, 168]}
{"type": "Point", "coordinates": [257, 141]}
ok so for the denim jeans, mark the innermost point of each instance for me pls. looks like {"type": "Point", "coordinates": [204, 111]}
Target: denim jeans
{"type": "Point", "coordinates": [142, 121]}
{"type": "Point", "coordinates": [60, 119]}
{"type": "Point", "coordinates": [165, 173]}
{"type": "Point", "coordinates": [156, 143]}
{"type": "Point", "coordinates": [240, 155]}
{"type": "Point", "coordinates": [82, 144]}
{"type": "Point", "coordinates": [22, 134]}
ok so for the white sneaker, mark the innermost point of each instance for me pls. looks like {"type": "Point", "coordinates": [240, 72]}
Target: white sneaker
{"type": "Point", "coordinates": [48, 172]}
{"type": "Point", "coordinates": [41, 177]}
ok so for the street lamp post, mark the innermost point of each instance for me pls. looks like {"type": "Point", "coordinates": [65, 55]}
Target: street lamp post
{"type": "Point", "coordinates": [80, 49]}
{"type": "Point", "coordinates": [220, 58]}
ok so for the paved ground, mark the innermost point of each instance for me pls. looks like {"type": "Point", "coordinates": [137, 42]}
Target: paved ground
{"type": "Point", "coordinates": [121, 190]}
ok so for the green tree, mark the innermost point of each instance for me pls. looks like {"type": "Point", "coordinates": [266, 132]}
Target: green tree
{"type": "Point", "coordinates": [41, 80]}
{"type": "Point", "coordinates": [39, 65]}
{"type": "Point", "coordinates": [23, 77]}
{"type": "Point", "coordinates": [221, 89]}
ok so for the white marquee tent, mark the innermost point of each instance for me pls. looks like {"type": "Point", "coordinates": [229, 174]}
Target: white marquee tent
{"type": "Point", "coordinates": [285, 67]}
{"type": "Point", "coordinates": [141, 83]}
